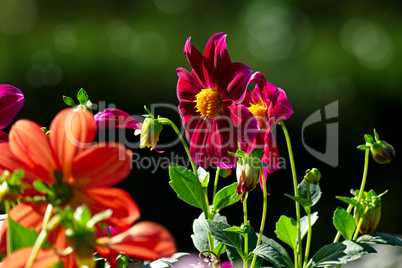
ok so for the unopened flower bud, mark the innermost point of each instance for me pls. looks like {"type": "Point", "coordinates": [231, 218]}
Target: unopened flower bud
{"type": "Point", "coordinates": [371, 220]}
{"type": "Point", "coordinates": [225, 172]}
{"type": "Point", "coordinates": [371, 204]}
{"type": "Point", "coordinates": [382, 152]}
{"type": "Point", "coordinates": [247, 173]}
{"type": "Point", "coordinates": [312, 176]}
{"type": "Point", "coordinates": [150, 131]}
{"type": "Point", "coordinates": [9, 192]}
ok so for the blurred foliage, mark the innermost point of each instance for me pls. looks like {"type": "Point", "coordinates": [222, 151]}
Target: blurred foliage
{"type": "Point", "coordinates": [126, 52]}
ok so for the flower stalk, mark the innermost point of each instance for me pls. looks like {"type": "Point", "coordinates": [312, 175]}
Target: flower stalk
{"type": "Point", "coordinates": [298, 252]}
{"type": "Point", "coordinates": [264, 214]}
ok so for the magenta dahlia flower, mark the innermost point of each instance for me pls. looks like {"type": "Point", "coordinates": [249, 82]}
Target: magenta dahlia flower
{"type": "Point", "coordinates": [210, 103]}
{"type": "Point", "coordinates": [11, 101]}
{"type": "Point", "coordinates": [270, 106]}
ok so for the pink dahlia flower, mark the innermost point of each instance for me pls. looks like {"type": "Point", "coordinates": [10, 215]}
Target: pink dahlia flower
{"type": "Point", "coordinates": [210, 106]}
{"type": "Point", "coordinates": [11, 101]}
{"type": "Point", "coordinates": [270, 106]}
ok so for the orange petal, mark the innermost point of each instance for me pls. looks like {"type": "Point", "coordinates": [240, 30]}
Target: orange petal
{"type": "Point", "coordinates": [47, 257]}
{"type": "Point", "coordinates": [145, 241]}
{"type": "Point", "coordinates": [125, 210]}
{"type": "Point", "coordinates": [70, 132]}
{"type": "Point", "coordinates": [29, 215]}
{"type": "Point", "coordinates": [31, 146]}
{"type": "Point", "coordinates": [105, 164]}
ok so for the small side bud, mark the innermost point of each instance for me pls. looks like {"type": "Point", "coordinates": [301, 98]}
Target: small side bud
{"type": "Point", "coordinates": [312, 176]}
{"type": "Point", "coordinates": [150, 131]}
{"type": "Point", "coordinates": [9, 192]}
{"type": "Point", "coordinates": [247, 173]}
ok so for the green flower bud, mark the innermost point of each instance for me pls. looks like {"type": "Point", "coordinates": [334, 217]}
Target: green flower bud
{"type": "Point", "coordinates": [9, 192]}
{"type": "Point", "coordinates": [247, 173]}
{"type": "Point", "coordinates": [150, 131]}
{"type": "Point", "coordinates": [382, 152]}
{"type": "Point", "coordinates": [371, 220]}
{"type": "Point", "coordinates": [225, 172]}
{"type": "Point", "coordinates": [312, 176]}
{"type": "Point", "coordinates": [371, 204]}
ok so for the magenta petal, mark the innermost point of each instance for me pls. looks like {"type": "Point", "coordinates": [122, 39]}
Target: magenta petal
{"type": "Point", "coordinates": [11, 101]}
{"type": "Point", "coordinates": [281, 109]}
{"type": "Point", "coordinates": [215, 52]}
{"type": "Point", "coordinates": [271, 154]}
{"type": "Point", "coordinates": [112, 117]}
{"type": "Point", "coordinates": [248, 100]}
{"type": "Point", "coordinates": [244, 121]}
{"type": "Point", "coordinates": [233, 84]}
{"type": "Point", "coordinates": [189, 117]}
{"type": "Point", "coordinates": [221, 141]}
{"type": "Point", "coordinates": [187, 86]}
{"type": "Point", "coordinates": [3, 137]}
{"type": "Point", "coordinates": [222, 58]}
{"type": "Point", "coordinates": [195, 59]}
{"type": "Point", "coordinates": [258, 78]}
{"type": "Point", "coordinates": [198, 143]}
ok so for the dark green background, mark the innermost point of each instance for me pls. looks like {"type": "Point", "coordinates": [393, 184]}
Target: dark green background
{"type": "Point", "coordinates": [126, 52]}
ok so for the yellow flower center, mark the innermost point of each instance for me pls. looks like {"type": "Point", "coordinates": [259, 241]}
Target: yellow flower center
{"type": "Point", "coordinates": [260, 112]}
{"type": "Point", "coordinates": [209, 103]}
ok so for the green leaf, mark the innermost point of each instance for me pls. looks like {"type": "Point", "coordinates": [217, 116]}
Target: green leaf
{"type": "Point", "coordinates": [41, 187]}
{"type": "Point", "coordinates": [281, 255]}
{"type": "Point", "coordinates": [166, 262]}
{"type": "Point", "coordinates": [243, 230]}
{"type": "Point", "coordinates": [185, 184]}
{"type": "Point", "coordinates": [376, 136]}
{"type": "Point", "coordinates": [350, 201]}
{"type": "Point", "coordinates": [380, 238]}
{"type": "Point", "coordinates": [22, 237]}
{"type": "Point", "coordinates": [219, 249]}
{"type": "Point", "coordinates": [363, 147]}
{"type": "Point", "coordinates": [369, 139]}
{"type": "Point", "coordinates": [82, 96]}
{"type": "Point", "coordinates": [203, 175]}
{"type": "Point", "coordinates": [200, 232]}
{"type": "Point", "coordinates": [225, 197]}
{"type": "Point", "coordinates": [315, 191]}
{"type": "Point", "coordinates": [339, 253]}
{"type": "Point", "coordinates": [302, 201]}
{"type": "Point", "coordinates": [344, 223]}
{"type": "Point", "coordinates": [304, 223]}
{"type": "Point", "coordinates": [271, 255]}
{"type": "Point", "coordinates": [69, 101]}
{"type": "Point", "coordinates": [286, 230]}
{"type": "Point", "coordinates": [229, 239]}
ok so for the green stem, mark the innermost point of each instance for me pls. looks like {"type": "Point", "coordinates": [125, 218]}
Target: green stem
{"type": "Point", "coordinates": [216, 182]}
{"type": "Point", "coordinates": [7, 208]}
{"type": "Point", "coordinates": [204, 199]}
{"type": "Point", "coordinates": [359, 224]}
{"type": "Point", "coordinates": [47, 227]}
{"type": "Point", "coordinates": [363, 184]}
{"type": "Point", "coordinates": [298, 253]}
{"type": "Point", "coordinates": [350, 207]}
{"type": "Point", "coordinates": [364, 179]}
{"type": "Point", "coordinates": [264, 214]}
{"type": "Point", "coordinates": [308, 243]}
{"type": "Point", "coordinates": [245, 260]}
